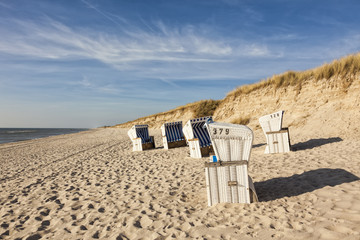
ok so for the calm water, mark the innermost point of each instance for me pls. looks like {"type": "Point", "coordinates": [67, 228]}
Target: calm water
{"type": "Point", "coordinates": [21, 134]}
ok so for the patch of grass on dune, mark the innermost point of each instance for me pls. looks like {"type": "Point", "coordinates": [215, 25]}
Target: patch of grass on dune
{"type": "Point", "coordinates": [345, 69]}
{"type": "Point", "coordinates": [241, 120]}
{"type": "Point", "coordinates": [342, 71]}
{"type": "Point", "coordinates": [205, 108]}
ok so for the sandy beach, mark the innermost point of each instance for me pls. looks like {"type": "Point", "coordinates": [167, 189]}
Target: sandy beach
{"type": "Point", "coordinates": [90, 185]}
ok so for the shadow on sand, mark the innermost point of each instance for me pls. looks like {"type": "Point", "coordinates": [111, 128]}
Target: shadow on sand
{"type": "Point", "coordinates": [258, 145]}
{"type": "Point", "coordinates": [298, 184]}
{"type": "Point", "coordinates": [313, 143]}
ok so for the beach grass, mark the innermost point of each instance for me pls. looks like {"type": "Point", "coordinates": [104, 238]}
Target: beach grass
{"type": "Point", "coordinates": [344, 70]}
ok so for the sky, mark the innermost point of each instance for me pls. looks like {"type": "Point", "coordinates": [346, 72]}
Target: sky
{"type": "Point", "coordinates": [91, 63]}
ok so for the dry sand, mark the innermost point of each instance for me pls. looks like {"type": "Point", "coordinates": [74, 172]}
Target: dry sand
{"type": "Point", "coordinates": [90, 185]}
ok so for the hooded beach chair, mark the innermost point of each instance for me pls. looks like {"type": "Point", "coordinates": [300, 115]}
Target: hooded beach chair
{"type": "Point", "coordinates": [227, 178]}
{"type": "Point", "coordinates": [139, 135]}
{"type": "Point", "coordinates": [197, 137]}
{"type": "Point", "coordinates": [277, 137]}
{"type": "Point", "coordinates": [173, 135]}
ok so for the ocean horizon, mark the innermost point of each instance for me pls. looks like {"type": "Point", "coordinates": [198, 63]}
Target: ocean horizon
{"type": "Point", "coordinates": [8, 135]}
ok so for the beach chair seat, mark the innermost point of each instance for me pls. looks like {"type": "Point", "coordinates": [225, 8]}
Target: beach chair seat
{"type": "Point", "coordinates": [139, 135]}
{"type": "Point", "coordinates": [197, 137]}
{"type": "Point", "coordinates": [173, 135]}
{"type": "Point", "coordinates": [227, 178]}
{"type": "Point", "coordinates": [277, 137]}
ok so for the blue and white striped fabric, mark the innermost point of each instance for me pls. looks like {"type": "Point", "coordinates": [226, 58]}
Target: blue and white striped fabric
{"type": "Point", "coordinates": [173, 131]}
{"type": "Point", "coordinates": [200, 132]}
{"type": "Point", "coordinates": [143, 133]}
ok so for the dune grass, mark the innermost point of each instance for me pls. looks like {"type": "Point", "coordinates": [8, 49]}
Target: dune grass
{"type": "Point", "coordinates": [345, 69]}
{"type": "Point", "coordinates": [241, 120]}
{"type": "Point", "coordinates": [200, 109]}
{"type": "Point", "coordinates": [205, 108]}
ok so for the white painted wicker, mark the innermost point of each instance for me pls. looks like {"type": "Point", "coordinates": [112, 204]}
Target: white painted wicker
{"type": "Point", "coordinates": [277, 138]}
{"type": "Point", "coordinates": [272, 122]}
{"type": "Point", "coordinates": [227, 180]}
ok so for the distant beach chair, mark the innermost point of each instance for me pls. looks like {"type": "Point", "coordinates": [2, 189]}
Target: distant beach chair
{"type": "Point", "coordinates": [227, 178]}
{"type": "Point", "coordinates": [139, 135]}
{"type": "Point", "coordinates": [173, 135]}
{"type": "Point", "coordinates": [277, 137]}
{"type": "Point", "coordinates": [197, 137]}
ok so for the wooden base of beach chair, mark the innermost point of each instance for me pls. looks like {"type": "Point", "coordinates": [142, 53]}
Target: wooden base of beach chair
{"type": "Point", "coordinates": [196, 151]}
{"type": "Point", "coordinates": [206, 151]}
{"type": "Point", "coordinates": [138, 146]}
{"type": "Point", "coordinates": [278, 141]}
{"type": "Point", "coordinates": [229, 182]}
{"type": "Point", "coordinates": [253, 195]}
{"type": "Point", "coordinates": [176, 144]}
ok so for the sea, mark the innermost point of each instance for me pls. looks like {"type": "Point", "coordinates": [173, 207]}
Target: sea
{"type": "Point", "coordinates": [20, 134]}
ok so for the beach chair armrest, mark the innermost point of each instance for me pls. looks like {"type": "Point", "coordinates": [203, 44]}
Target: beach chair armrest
{"type": "Point", "coordinates": [228, 163]}
{"type": "Point", "coordinates": [281, 131]}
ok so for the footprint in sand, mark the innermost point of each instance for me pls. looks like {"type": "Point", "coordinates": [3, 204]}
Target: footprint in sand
{"type": "Point", "coordinates": [4, 225]}
{"type": "Point", "coordinates": [34, 237]}
{"type": "Point", "coordinates": [83, 228]}
{"type": "Point", "coordinates": [44, 225]}
{"type": "Point", "coordinates": [101, 210]}
{"type": "Point", "coordinates": [6, 233]}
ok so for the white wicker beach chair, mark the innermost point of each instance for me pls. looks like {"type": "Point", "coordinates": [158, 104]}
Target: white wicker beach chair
{"type": "Point", "coordinates": [139, 135]}
{"type": "Point", "coordinates": [172, 134]}
{"type": "Point", "coordinates": [277, 138]}
{"type": "Point", "coordinates": [197, 137]}
{"type": "Point", "coordinates": [227, 178]}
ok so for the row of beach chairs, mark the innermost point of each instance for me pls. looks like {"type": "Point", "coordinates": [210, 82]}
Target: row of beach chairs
{"type": "Point", "coordinates": [197, 137]}
{"type": "Point", "coordinates": [229, 146]}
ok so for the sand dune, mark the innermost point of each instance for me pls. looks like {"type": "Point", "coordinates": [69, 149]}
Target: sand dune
{"type": "Point", "coordinates": [90, 185]}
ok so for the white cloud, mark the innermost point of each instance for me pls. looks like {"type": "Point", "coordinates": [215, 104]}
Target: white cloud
{"type": "Point", "coordinates": [4, 5]}
{"type": "Point", "coordinates": [55, 40]}
{"type": "Point", "coordinates": [85, 82]}
{"type": "Point", "coordinates": [351, 43]}
{"type": "Point", "coordinates": [171, 83]}
{"type": "Point", "coordinates": [254, 15]}
{"type": "Point", "coordinates": [185, 52]}
{"type": "Point", "coordinates": [96, 86]}
{"type": "Point", "coordinates": [256, 50]}
{"type": "Point", "coordinates": [130, 49]}
{"type": "Point", "coordinates": [111, 17]}
{"type": "Point", "coordinates": [285, 37]}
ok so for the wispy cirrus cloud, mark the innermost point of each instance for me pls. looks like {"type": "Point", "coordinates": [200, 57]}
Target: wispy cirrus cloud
{"type": "Point", "coordinates": [111, 17]}
{"type": "Point", "coordinates": [51, 39]}
{"type": "Point", "coordinates": [171, 83]}
{"type": "Point", "coordinates": [256, 50]}
{"type": "Point", "coordinates": [89, 57]}
{"type": "Point", "coordinates": [4, 5]}
{"type": "Point", "coordinates": [96, 86]}
{"type": "Point", "coordinates": [351, 42]}
{"type": "Point", "coordinates": [56, 40]}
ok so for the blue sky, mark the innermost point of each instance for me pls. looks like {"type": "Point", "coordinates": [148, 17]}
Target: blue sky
{"type": "Point", "coordinates": [90, 63]}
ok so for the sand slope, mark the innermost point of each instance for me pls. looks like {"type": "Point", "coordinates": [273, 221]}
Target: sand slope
{"type": "Point", "coordinates": [90, 185]}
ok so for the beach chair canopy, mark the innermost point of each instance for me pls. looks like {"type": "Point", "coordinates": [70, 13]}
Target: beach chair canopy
{"type": "Point", "coordinates": [271, 122]}
{"type": "Point", "coordinates": [194, 128]}
{"type": "Point", "coordinates": [140, 131]}
{"type": "Point", "coordinates": [231, 142]}
{"type": "Point", "coordinates": [173, 131]}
